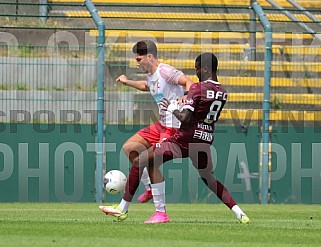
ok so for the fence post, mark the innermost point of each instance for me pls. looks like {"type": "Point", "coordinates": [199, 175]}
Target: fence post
{"type": "Point", "coordinates": [266, 101]}
{"type": "Point", "coordinates": [100, 99]}
{"type": "Point", "coordinates": [43, 10]}
{"type": "Point", "coordinates": [17, 9]}
{"type": "Point", "coordinates": [252, 33]}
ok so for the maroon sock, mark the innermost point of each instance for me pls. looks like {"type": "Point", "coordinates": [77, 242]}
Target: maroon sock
{"type": "Point", "coordinates": [219, 189]}
{"type": "Point", "coordinates": [132, 184]}
{"type": "Point", "coordinates": [224, 195]}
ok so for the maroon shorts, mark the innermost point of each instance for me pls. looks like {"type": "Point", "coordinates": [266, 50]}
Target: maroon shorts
{"type": "Point", "coordinates": [199, 153]}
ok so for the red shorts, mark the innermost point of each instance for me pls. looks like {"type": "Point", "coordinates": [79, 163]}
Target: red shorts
{"type": "Point", "coordinates": [156, 132]}
{"type": "Point", "coordinates": [199, 153]}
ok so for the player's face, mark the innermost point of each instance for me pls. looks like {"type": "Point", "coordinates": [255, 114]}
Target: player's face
{"type": "Point", "coordinates": [143, 62]}
{"type": "Point", "coordinates": [202, 73]}
{"type": "Point", "coordinates": [198, 71]}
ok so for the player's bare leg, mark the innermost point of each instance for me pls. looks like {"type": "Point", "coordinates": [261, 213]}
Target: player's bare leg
{"type": "Point", "coordinates": [158, 191]}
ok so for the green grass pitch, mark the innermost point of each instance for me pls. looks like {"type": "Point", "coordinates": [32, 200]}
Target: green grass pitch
{"type": "Point", "coordinates": [75, 224]}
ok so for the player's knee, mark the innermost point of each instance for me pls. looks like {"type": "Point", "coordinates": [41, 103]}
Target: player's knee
{"type": "Point", "coordinates": [130, 152]}
{"type": "Point", "coordinates": [127, 148]}
{"type": "Point", "coordinates": [140, 161]}
{"type": "Point", "coordinates": [207, 176]}
{"type": "Point", "coordinates": [203, 172]}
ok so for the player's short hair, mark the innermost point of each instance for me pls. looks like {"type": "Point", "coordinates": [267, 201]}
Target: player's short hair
{"type": "Point", "coordinates": [209, 60]}
{"type": "Point", "coordinates": [145, 47]}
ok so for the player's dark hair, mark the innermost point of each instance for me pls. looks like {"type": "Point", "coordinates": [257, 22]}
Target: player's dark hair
{"type": "Point", "coordinates": [145, 47]}
{"type": "Point", "coordinates": [208, 60]}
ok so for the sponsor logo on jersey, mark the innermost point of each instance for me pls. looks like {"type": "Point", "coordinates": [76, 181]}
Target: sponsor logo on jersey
{"type": "Point", "coordinates": [188, 101]}
{"type": "Point", "coordinates": [203, 135]}
{"type": "Point", "coordinates": [204, 126]}
{"type": "Point", "coordinates": [158, 97]}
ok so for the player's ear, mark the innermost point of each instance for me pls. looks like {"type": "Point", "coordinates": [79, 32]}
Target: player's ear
{"type": "Point", "coordinates": [204, 69]}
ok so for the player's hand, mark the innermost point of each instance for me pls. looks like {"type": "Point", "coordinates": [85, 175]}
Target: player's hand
{"type": "Point", "coordinates": [164, 103]}
{"type": "Point", "coordinates": [170, 106]}
{"type": "Point", "coordinates": [123, 79]}
{"type": "Point", "coordinates": [182, 100]}
{"type": "Point", "coordinates": [173, 106]}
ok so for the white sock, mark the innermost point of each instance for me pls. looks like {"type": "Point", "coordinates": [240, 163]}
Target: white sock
{"type": "Point", "coordinates": [158, 191]}
{"type": "Point", "coordinates": [238, 211]}
{"type": "Point", "coordinates": [123, 205]}
{"type": "Point", "coordinates": [145, 179]}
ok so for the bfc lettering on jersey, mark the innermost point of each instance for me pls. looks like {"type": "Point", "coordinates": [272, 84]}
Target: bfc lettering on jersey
{"type": "Point", "coordinates": [210, 94]}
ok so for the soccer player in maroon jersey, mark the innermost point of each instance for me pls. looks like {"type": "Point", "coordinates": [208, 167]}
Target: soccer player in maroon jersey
{"type": "Point", "coordinates": [202, 107]}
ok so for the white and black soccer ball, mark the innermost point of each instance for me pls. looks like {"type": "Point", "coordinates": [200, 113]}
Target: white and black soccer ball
{"type": "Point", "coordinates": [114, 182]}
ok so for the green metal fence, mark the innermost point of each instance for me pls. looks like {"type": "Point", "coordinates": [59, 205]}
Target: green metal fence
{"type": "Point", "coordinates": [48, 66]}
{"type": "Point", "coordinates": [58, 55]}
{"type": "Point", "coordinates": [48, 84]}
{"type": "Point", "coordinates": [53, 77]}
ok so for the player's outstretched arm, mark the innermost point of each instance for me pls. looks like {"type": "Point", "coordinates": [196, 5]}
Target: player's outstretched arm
{"type": "Point", "coordinates": [140, 85]}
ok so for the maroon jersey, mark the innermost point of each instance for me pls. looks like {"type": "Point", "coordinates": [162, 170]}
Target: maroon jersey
{"type": "Point", "coordinates": [206, 100]}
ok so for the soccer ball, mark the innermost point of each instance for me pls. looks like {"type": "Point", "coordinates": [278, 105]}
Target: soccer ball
{"type": "Point", "coordinates": [114, 182]}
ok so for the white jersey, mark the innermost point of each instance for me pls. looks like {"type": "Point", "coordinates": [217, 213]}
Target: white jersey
{"type": "Point", "coordinates": [163, 83]}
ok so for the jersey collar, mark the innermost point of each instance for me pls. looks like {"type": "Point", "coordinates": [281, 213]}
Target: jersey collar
{"type": "Point", "coordinates": [211, 81]}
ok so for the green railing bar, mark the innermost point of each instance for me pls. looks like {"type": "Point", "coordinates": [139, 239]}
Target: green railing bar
{"type": "Point", "coordinates": [153, 6]}
{"type": "Point", "coordinates": [49, 100]}
{"type": "Point", "coordinates": [266, 101]}
{"type": "Point", "coordinates": [100, 98]}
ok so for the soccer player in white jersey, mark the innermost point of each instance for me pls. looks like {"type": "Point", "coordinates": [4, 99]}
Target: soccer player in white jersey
{"type": "Point", "coordinates": [163, 81]}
